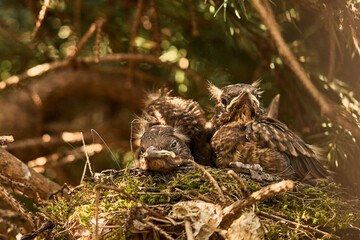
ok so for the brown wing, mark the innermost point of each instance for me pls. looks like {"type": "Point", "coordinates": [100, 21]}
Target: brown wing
{"type": "Point", "coordinates": [271, 133]}
{"type": "Point", "coordinates": [229, 144]}
{"type": "Point", "coordinates": [225, 142]}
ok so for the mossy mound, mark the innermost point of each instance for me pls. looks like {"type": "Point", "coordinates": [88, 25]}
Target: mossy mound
{"type": "Point", "coordinates": [291, 215]}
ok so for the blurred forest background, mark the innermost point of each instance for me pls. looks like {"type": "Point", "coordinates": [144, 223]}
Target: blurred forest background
{"type": "Point", "coordinates": [71, 66]}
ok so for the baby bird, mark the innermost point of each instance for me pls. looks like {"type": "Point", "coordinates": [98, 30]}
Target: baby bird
{"type": "Point", "coordinates": [163, 148]}
{"type": "Point", "coordinates": [183, 116]}
{"type": "Point", "coordinates": [244, 133]}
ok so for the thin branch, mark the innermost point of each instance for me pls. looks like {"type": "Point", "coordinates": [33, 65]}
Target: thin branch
{"type": "Point", "coordinates": [268, 18]}
{"type": "Point", "coordinates": [134, 33]}
{"type": "Point", "coordinates": [46, 67]}
{"type": "Point", "coordinates": [156, 28]}
{"type": "Point", "coordinates": [45, 226]}
{"type": "Point", "coordinates": [47, 140]}
{"type": "Point", "coordinates": [136, 24]}
{"type": "Point", "coordinates": [99, 24]}
{"type": "Point", "coordinates": [40, 17]}
{"type": "Point", "coordinates": [231, 212]}
{"type": "Point", "coordinates": [211, 179]}
{"type": "Point", "coordinates": [149, 59]}
{"type": "Point", "coordinates": [83, 41]}
{"type": "Point", "coordinates": [195, 31]}
{"type": "Point", "coordinates": [295, 224]}
{"type": "Point", "coordinates": [33, 72]}
{"type": "Point", "coordinates": [326, 106]}
{"type": "Point", "coordinates": [162, 232]}
{"type": "Point", "coordinates": [243, 189]}
{"type": "Point", "coordinates": [25, 214]}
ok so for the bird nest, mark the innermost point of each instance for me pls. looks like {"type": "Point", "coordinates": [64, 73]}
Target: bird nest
{"type": "Point", "coordinates": [198, 203]}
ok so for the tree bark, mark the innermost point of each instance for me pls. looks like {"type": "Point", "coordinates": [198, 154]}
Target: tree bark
{"type": "Point", "coordinates": [28, 181]}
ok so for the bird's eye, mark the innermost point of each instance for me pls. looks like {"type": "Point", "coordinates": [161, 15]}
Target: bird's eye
{"type": "Point", "coordinates": [173, 144]}
{"type": "Point", "coordinates": [224, 101]}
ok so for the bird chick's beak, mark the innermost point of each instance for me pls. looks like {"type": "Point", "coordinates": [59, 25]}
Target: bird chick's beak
{"type": "Point", "coordinates": [152, 152]}
{"type": "Point", "coordinates": [241, 98]}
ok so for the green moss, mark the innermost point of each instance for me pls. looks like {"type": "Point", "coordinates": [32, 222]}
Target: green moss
{"type": "Point", "coordinates": [324, 208]}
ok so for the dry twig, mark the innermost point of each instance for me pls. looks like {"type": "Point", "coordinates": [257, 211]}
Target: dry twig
{"type": "Point", "coordinates": [231, 211]}
{"type": "Point", "coordinates": [211, 179]}
{"type": "Point", "coordinates": [25, 214]}
{"type": "Point", "coordinates": [47, 140]}
{"type": "Point", "coordinates": [40, 17]}
{"type": "Point", "coordinates": [162, 232]}
{"type": "Point", "coordinates": [243, 188]}
{"type": "Point", "coordinates": [46, 226]}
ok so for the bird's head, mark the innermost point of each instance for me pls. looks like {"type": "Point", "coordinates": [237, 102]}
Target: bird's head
{"type": "Point", "coordinates": [238, 102]}
{"type": "Point", "coordinates": [163, 148]}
